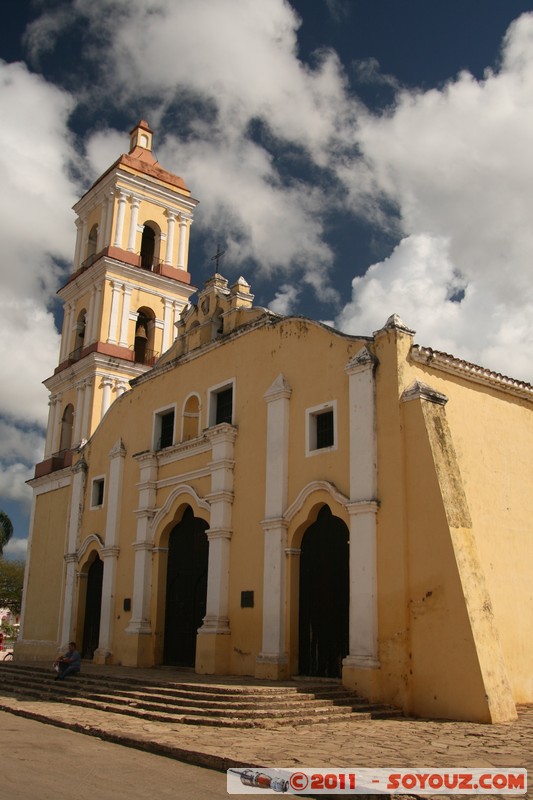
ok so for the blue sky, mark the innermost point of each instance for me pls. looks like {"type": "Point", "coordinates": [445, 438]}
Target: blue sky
{"type": "Point", "coordinates": [355, 158]}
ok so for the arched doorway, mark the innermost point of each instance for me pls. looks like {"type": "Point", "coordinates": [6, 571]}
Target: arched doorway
{"type": "Point", "coordinates": [324, 597]}
{"type": "Point", "coordinates": [93, 607]}
{"type": "Point", "coordinates": [186, 592]}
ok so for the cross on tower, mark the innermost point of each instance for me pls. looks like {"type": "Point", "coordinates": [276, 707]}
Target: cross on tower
{"type": "Point", "coordinates": [218, 255]}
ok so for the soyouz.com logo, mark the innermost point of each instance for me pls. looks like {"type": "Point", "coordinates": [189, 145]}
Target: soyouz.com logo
{"type": "Point", "coordinates": [423, 781]}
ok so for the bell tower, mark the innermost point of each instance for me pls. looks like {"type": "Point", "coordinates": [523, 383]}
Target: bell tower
{"type": "Point", "coordinates": [127, 290]}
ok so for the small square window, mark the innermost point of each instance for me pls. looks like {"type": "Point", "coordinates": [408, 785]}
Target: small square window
{"type": "Point", "coordinates": [321, 428]}
{"type": "Point", "coordinates": [97, 492]}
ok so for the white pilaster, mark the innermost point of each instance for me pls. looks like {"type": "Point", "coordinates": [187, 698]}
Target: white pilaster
{"type": "Point", "coordinates": [96, 313]}
{"type": "Point", "coordinates": [274, 649]}
{"type": "Point", "coordinates": [53, 411]}
{"type": "Point", "coordinates": [116, 287]}
{"type": "Point", "coordinates": [222, 439]}
{"type": "Point", "coordinates": [87, 404]}
{"type": "Point", "coordinates": [110, 552]}
{"type": "Point", "coordinates": [90, 316]}
{"type": "Point", "coordinates": [107, 384]}
{"type": "Point", "coordinates": [140, 622]}
{"type": "Point", "coordinates": [101, 227]}
{"type": "Point", "coordinates": [77, 250]}
{"type": "Point", "coordinates": [167, 324]}
{"type": "Point", "coordinates": [65, 339]}
{"type": "Point", "coordinates": [182, 242]}
{"type": "Point", "coordinates": [78, 411]}
{"type": "Point", "coordinates": [170, 237]}
{"type": "Point", "coordinates": [135, 202]}
{"type": "Point", "coordinates": [121, 214]}
{"type": "Point", "coordinates": [76, 510]}
{"type": "Point", "coordinates": [83, 243]}
{"type": "Point", "coordinates": [126, 301]}
{"type": "Point", "coordinates": [363, 506]}
{"type": "Point", "coordinates": [109, 203]}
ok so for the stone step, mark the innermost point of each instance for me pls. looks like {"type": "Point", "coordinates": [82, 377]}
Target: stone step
{"type": "Point", "coordinates": [193, 703]}
{"type": "Point", "coordinates": [283, 703]}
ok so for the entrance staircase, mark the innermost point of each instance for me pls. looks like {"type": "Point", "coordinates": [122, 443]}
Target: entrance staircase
{"type": "Point", "coordinates": [229, 705]}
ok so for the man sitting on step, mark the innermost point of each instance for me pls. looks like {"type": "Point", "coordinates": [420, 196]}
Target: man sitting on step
{"type": "Point", "coordinates": [68, 664]}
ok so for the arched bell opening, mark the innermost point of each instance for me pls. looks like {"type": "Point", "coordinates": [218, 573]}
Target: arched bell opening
{"type": "Point", "coordinates": [150, 241]}
{"type": "Point", "coordinates": [81, 326]}
{"type": "Point", "coordinates": [91, 242]}
{"type": "Point", "coordinates": [67, 425]}
{"type": "Point", "coordinates": [144, 336]}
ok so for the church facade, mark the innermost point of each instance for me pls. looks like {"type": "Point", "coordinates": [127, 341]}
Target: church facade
{"type": "Point", "coordinates": [241, 493]}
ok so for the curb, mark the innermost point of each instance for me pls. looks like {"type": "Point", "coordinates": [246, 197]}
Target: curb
{"type": "Point", "coordinates": [195, 757]}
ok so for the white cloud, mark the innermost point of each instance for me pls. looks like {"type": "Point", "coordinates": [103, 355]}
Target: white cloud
{"type": "Point", "coordinates": [285, 299]}
{"type": "Point", "coordinates": [236, 60]}
{"type": "Point", "coordinates": [16, 549]}
{"type": "Point", "coordinates": [37, 228]}
{"type": "Point", "coordinates": [13, 479]}
{"type": "Point", "coordinates": [458, 164]}
{"type": "Point", "coordinates": [37, 192]}
{"type": "Point", "coordinates": [19, 443]}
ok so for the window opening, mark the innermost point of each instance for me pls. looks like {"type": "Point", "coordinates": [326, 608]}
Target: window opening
{"type": "Point", "coordinates": [224, 406]}
{"type": "Point", "coordinates": [324, 430]}
{"type": "Point", "coordinates": [97, 492]}
{"type": "Point", "coordinates": [166, 422]}
{"type": "Point", "coordinates": [147, 247]}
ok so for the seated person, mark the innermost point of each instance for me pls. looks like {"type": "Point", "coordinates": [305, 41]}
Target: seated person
{"type": "Point", "coordinates": [68, 664]}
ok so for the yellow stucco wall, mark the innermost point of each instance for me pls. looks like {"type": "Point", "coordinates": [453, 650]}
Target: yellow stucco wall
{"type": "Point", "coordinates": [43, 594]}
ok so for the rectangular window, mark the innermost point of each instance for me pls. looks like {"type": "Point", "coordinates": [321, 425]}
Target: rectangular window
{"type": "Point", "coordinates": [167, 430]}
{"type": "Point", "coordinates": [321, 428]}
{"type": "Point", "coordinates": [221, 404]}
{"type": "Point", "coordinates": [97, 492]}
{"type": "Point", "coordinates": [164, 428]}
{"type": "Point", "coordinates": [224, 403]}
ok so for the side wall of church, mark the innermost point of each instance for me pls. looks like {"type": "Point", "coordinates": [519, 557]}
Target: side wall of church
{"type": "Point", "coordinates": [43, 592]}
{"type": "Point", "coordinates": [493, 433]}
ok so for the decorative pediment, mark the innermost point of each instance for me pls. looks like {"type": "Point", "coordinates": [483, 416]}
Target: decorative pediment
{"type": "Point", "coordinates": [279, 389]}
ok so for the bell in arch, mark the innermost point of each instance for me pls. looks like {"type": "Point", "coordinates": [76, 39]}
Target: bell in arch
{"type": "Point", "coordinates": [141, 332]}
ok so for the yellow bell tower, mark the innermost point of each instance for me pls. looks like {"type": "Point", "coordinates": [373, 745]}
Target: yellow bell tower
{"type": "Point", "coordinates": [127, 290]}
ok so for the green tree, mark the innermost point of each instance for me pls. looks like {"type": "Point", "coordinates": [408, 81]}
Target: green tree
{"type": "Point", "coordinates": [6, 530]}
{"type": "Point", "coordinates": [11, 583]}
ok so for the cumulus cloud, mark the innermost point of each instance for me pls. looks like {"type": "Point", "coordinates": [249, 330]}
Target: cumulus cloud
{"type": "Point", "coordinates": [37, 235]}
{"type": "Point", "coordinates": [284, 301]}
{"type": "Point", "coordinates": [16, 549]}
{"type": "Point", "coordinates": [457, 164]}
{"type": "Point", "coordinates": [211, 73]}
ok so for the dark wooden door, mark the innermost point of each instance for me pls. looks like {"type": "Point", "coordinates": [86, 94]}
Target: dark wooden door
{"type": "Point", "coordinates": [324, 597]}
{"type": "Point", "coordinates": [93, 607]}
{"type": "Point", "coordinates": [186, 595]}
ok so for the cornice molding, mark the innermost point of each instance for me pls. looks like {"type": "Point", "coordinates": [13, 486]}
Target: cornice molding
{"type": "Point", "coordinates": [471, 372]}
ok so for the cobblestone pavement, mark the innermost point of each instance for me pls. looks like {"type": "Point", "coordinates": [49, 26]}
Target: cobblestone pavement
{"type": "Point", "coordinates": [365, 743]}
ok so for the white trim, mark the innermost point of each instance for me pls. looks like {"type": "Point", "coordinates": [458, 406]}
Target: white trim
{"type": "Point", "coordinates": [91, 539]}
{"type": "Point", "coordinates": [94, 481]}
{"type": "Point", "coordinates": [311, 415]}
{"type": "Point", "coordinates": [171, 499]}
{"type": "Point", "coordinates": [309, 489]}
